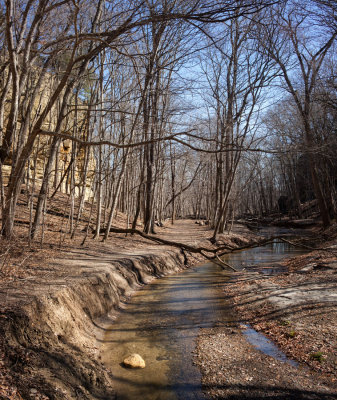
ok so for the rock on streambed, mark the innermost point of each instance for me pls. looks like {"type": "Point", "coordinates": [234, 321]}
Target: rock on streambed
{"type": "Point", "coordinates": [134, 361]}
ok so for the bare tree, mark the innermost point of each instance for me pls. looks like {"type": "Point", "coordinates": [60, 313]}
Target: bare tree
{"type": "Point", "coordinates": [292, 38]}
{"type": "Point", "coordinates": [237, 76]}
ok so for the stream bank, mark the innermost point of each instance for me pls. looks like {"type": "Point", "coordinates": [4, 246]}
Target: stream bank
{"type": "Point", "coordinates": [50, 316]}
{"type": "Point", "coordinates": [50, 320]}
{"type": "Point", "coordinates": [50, 342]}
{"type": "Point", "coordinates": [296, 309]}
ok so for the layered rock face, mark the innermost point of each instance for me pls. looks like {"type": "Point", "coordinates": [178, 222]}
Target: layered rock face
{"type": "Point", "coordinates": [72, 162]}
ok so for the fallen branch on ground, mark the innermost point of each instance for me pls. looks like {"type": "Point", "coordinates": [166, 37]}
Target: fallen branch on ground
{"type": "Point", "coordinates": [162, 241]}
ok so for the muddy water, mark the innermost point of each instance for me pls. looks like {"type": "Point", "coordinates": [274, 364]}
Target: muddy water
{"type": "Point", "coordinates": [161, 323]}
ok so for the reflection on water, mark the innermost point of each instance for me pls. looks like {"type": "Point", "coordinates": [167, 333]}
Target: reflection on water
{"type": "Point", "coordinates": [162, 320]}
{"type": "Point", "coordinates": [260, 342]}
{"type": "Point", "coordinates": [264, 259]}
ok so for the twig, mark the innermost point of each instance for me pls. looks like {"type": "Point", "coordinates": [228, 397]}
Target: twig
{"type": "Point", "coordinates": [308, 247]}
{"type": "Point", "coordinates": [225, 264]}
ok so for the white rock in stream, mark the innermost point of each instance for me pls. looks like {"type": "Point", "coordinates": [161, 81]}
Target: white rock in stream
{"type": "Point", "coordinates": [134, 361]}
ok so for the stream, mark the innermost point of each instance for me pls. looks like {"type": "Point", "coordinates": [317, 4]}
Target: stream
{"type": "Point", "coordinates": [162, 320]}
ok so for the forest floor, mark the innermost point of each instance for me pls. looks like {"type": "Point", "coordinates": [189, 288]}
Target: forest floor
{"type": "Point", "coordinates": [231, 367]}
{"type": "Point", "coordinates": [297, 310]}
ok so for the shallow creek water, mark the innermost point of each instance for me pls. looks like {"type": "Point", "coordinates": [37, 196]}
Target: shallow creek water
{"type": "Point", "coordinates": [162, 321]}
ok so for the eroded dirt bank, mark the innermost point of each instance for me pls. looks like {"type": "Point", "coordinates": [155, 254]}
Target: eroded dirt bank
{"type": "Point", "coordinates": [51, 339]}
{"type": "Point", "coordinates": [298, 311]}
{"type": "Point", "coordinates": [48, 314]}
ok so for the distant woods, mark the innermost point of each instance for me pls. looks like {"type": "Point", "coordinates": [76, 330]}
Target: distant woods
{"type": "Point", "coordinates": [167, 109]}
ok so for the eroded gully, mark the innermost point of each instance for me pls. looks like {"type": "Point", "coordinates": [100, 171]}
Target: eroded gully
{"type": "Point", "coordinates": [162, 321]}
